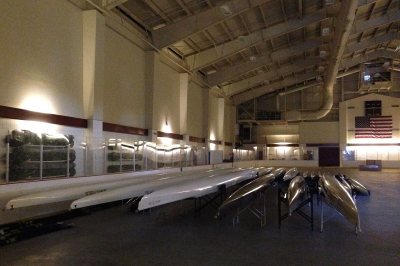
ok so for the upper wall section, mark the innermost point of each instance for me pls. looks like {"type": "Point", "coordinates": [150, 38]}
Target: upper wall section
{"type": "Point", "coordinates": [197, 110]}
{"type": "Point", "coordinates": [355, 107]}
{"type": "Point", "coordinates": [124, 88]}
{"type": "Point", "coordinates": [319, 132]}
{"type": "Point", "coordinates": [41, 56]}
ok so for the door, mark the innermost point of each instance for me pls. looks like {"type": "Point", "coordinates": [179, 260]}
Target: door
{"type": "Point", "coordinates": [329, 156]}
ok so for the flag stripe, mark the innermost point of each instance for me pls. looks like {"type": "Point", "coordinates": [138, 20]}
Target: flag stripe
{"type": "Point", "coordinates": [373, 127]}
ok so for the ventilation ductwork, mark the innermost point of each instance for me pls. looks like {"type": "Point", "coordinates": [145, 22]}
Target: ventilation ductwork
{"type": "Point", "coordinates": [344, 23]}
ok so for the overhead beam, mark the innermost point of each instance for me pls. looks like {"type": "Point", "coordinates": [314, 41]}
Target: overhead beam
{"type": "Point", "coordinates": [348, 63]}
{"type": "Point", "coordinates": [389, 17]}
{"type": "Point", "coordinates": [157, 10]}
{"type": "Point", "coordinates": [256, 92]}
{"type": "Point", "coordinates": [184, 7]}
{"type": "Point", "coordinates": [364, 44]}
{"type": "Point", "coordinates": [251, 93]}
{"type": "Point", "coordinates": [110, 4]}
{"type": "Point", "coordinates": [217, 53]}
{"type": "Point", "coordinates": [229, 73]}
{"type": "Point", "coordinates": [249, 83]}
{"type": "Point", "coordinates": [186, 27]}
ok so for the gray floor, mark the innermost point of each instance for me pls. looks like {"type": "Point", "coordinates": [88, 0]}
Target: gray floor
{"type": "Point", "coordinates": [172, 235]}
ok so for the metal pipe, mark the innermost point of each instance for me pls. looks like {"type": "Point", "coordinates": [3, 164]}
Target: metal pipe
{"type": "Point", "coordinates": [345, 21]}
{"type": "Point", "coordinates": [300, 88]}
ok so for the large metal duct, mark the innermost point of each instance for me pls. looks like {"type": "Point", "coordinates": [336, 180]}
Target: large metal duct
{"type": "Point", "coordinates": [345, 21]}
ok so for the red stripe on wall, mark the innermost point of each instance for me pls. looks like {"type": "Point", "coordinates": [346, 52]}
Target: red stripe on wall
{"type": "Point", "coordinates": [124, 129]}
{"type": "Point", "coordinates": [22, 114]}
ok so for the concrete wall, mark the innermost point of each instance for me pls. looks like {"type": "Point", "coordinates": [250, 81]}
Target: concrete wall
{"type": "Point", "coordinates": [41, 56]}
{"type": "Point", "coordinates": [124, 88]}
{"type": "Point", "coordinates": [166, 100]}
{"type": "Point", "coordinates": [319, 132]}
{"type": "Point", "coordinates": [197, 110]}
{"type": "Point", "coordinates": [355, 107]}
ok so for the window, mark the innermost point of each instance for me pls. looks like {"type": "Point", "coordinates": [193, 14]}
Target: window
{"type": "Point", "coordinates": [373, 108]}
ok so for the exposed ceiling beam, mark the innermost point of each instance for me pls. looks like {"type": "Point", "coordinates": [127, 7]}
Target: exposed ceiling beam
{"type": "Point", "coordinates": [295, 49]}
{"type": "Point", "coordinates": [350, 62]}
{"type": "Point", "coordinates": [366, 2]}
{"type": "Point", "coordinates": [214, 54]}
{"type": "Point", "coordinates": [186, 27]}
{"type": "Point", "coordinates": [184, 7]}
{"type": "Point", "coordinates": [389, 17]}
{"type": "Point", "coordinates": [109, 4]}
{"type": "Point", "coordinates": [364, 44]}
{"type": "Point", "coordinates": [347, 63]}
{"type": "Point", "coordinates": [300, 8]}
{"type": "Point", "coordinates": [255, 92]}
{"type": "Point", "coordinates": [265, 77]}
{"type": "Point", "coordinates": [157, 10]}
{"type": "Point", "coordinates": [229, 73]}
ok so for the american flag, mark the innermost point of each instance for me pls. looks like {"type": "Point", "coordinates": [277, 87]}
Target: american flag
{"type": "Point", "coordinates": [373, 127]}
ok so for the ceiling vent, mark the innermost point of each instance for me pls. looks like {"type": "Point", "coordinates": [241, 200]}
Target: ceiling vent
{"type": "Point", "coordinates": [225, 10]}
{"type": "Point", "coordinates": [323, 53]}
{"type": "Point", "coordinates": [325, 31]}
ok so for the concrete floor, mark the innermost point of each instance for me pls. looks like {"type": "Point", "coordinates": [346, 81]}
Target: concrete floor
{"type": "Point", "coordinates": [172, 235]}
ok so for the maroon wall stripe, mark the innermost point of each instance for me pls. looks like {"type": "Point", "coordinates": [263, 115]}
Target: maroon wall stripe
{"type": "Point", "coordinates": [196, 139]}
{"type": "Point", "coordinates": [280, 145]}
{"type": "Point", "coordinates": [21, 114]}
{"type": "Point", "coordinates": [228, 143]}
{"type": "Point", "coordinates": [124, 129]}
{"type": "Point", "coordinates": [218, 142]}
{"type": "Point", "coordinates": [380, 144]}
{"type": "Point", "coordinates": [322, 145]}
{"type": "Point", "coordinates": [169, 135]}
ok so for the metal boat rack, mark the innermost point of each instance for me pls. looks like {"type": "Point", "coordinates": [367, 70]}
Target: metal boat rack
{"type": "Point", "coordinates": [282, 200]}
{"type": "Point", "coordinates": [214, 200]}
{"type": "Point", "coordinates": [357, 229]}
{"type": "Point", "coordinates": [259, 213]}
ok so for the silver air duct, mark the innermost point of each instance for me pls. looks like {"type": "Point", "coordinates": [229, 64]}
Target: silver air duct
{"type": "Point", "coordinates": [344, 22]}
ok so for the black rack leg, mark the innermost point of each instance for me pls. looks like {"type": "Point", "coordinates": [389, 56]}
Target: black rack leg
{"type": "Point", "coordinates": [312, 211]}
{"type": "Point", "coordinates": [279, 208]}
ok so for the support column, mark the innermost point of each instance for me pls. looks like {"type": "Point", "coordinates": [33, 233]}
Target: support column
{"type": "Point", "coordinates": [183, 102]}
{"type": "Point", "coordinates": [93, 85]}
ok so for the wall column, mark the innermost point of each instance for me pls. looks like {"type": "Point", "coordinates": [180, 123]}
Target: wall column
{"type": "Point", "coordinates": [93, 85]}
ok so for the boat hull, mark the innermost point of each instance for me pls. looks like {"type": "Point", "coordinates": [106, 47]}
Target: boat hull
{"type": "Point", "coordinates": [338, 197]}
{"type": "Point", "coordinates": [296, 192]}
{"type": "Point", "coordinates": [290, 174]}
{"type": "Point", "coordinates": [140, 189]}
{"type": "Point", "coordinates": [194, 188]}
{"type": "Point", "coordinates": [357, 187]}
{"type": "Point", "coordinates": [248, 190]}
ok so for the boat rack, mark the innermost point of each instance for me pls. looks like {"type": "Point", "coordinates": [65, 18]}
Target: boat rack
{"type": "Point", "coordinates": [214, 200]}
{"type": "Point", "coordinates": [259, 213]}
{"type": "Point", "coordinates": [282, 200]}
{"type": "Point", "coordinates": [357, 229]}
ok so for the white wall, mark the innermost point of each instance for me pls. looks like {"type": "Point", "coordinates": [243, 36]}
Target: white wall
{"type": "Point", "coordinates": [166, 105]}
{"type": "Point", "coordinates": [197, 111]}
{"type": "Point", "coordinates": [41, 56]}
{"type": "Point", "coordinates": [124, 88]}
{"type": "Point", "coordinates": [215, 117]}
{"type": "Point", "coordinates": [355, 107]}
{"type": "Point", "coordinates": [319, 132]}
